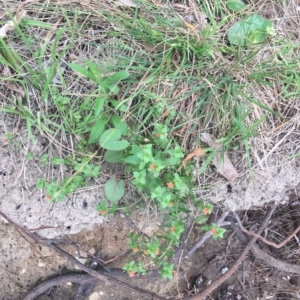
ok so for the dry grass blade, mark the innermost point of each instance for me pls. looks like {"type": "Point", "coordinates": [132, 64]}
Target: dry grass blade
{"type": "Point", "coordinates": [196, 153]}
{"type": "Point", "coordinates": [10, 25]}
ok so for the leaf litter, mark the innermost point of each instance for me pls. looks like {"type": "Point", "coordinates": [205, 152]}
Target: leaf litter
{"type": "Point", "coordinates": [222, 162]}
{"type": "Point", "coordinates": [10, 25]}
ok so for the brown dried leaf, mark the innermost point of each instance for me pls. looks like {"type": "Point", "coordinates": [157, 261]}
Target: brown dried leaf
{"type": "Point", "coordinates": [197, 152]}
{"type": "Point", "coordinates": [190, 26]}
{"type": "Point", "coordinates": [10, 25]}
{"type": "Point", "coordinates": [224, 167]}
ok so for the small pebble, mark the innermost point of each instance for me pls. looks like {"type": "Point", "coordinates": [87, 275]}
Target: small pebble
{"type": "Point", "coordinates": [92, 251]}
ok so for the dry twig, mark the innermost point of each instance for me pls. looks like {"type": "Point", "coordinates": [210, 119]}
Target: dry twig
{"type": "Point", "coordinates": [268, 259]}
{"type": "Point", "coordinates": [242, 256]}
{"type": "Point", "coordinates": [277, 246]}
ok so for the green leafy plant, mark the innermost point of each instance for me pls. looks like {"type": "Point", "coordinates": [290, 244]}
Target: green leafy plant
{"type": "Point", "coordinates": [167, 270]}
{"type": "Point", "coordinates": [83, 171]}
{"type": "Point", "coordinates": [132, 268]}
{"type": "Point", "coordinates": [216, 231]}
{"type": "Point", "coordinates": [156, 167]}
{"type": "Point", "coordinates": [252, 30]}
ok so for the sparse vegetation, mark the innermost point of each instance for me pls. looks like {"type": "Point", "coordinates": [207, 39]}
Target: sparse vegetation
{"type": "Point", "coordinates": [135, 87]}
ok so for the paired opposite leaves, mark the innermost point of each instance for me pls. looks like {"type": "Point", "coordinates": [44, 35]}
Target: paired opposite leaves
{"type": "Point", "coordinates": [110, 140]}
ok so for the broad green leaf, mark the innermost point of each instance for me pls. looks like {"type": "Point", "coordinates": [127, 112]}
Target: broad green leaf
{"type": "Point", "coordinates": [132, 159]}
{"type": "Point", "coordinates": [114, 189]}
{"type": "Point", "coordinates": [119, 124]}
{"type": "Point", "coordinates": [97, 130]}
{"type": "Point", "coordinates": [110, 140]}
{"type": "Point", "coordinates": [79, 69]}
{"type": "Point", "coordinates": [255, 21]}
{"type": "Point", "coordinates": [250, 31]}
{"type": "Point", "coordinates": [99, 103]}
{"type": "Point", "coordinates": [113, 156]}
{"type": "Point", "coordinates": [235, 5]}
{"type": "Point", "coordinates": [238, 33]}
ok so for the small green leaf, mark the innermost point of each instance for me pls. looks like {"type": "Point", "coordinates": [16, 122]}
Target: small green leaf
{"type": "Point", "coordinates": [119, 124]}
{"type": "Point", "coordinates": [119, 106]}
{"type": "Point", "coordinates": [57, 160]}
{"type": "Point", "coordinates": [114, 189]}
{"type": "Point", "coordinates": [117, 76]}
{"type": "Point", "coordinates": [132, 159]}
{"type": "Point", "coordinates": [99, 103]}
{"type": "Point", "coordinates": [201, 219]}
{"type": "Point", "coordinates": [114, 88]}
{"type": "Point", "coordinates": [97, 130]}
{"type": "Point", "coordinates": [79, 69]}
{"type": "Point", "coordinates": [44, 158]}
{"type": "Point", "coordinates": [40, 184]}
{"type": "Point", "coordinates": [110, 140]}
{"type": "Point", "coordinates": [235, 5]}
{"type": "Point", "coordinates": [113, 156]}
{"type": "Point", "coordinates": [95, 72]}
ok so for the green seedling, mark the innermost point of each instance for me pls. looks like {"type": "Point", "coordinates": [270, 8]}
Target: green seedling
{"type": "Point", "coordinates": [216, 231]}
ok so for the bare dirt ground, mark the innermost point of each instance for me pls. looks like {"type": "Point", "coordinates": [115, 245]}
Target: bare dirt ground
{"type": "Point", "coordinates": [24, 264]}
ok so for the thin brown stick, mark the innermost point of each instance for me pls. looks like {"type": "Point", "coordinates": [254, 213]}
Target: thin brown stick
{"type": "Point", "coordinates": [268, 259]}
{"type": "Point", "coordinates": [50, 283]}
{"type": "Point", "coordinates": [277, 246]}
{"type": "Point", "coordinates": [242, 256]}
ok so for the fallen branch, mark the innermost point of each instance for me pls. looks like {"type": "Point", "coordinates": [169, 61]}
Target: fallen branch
{"type": "Point", "coordinates": [235, 266]}
{"type": "Point", "coordinates": [277, 246]}
{"type": "Point", "coordinates": [50, 283]}
{"type": "Point", "coordinates": [268, 259]}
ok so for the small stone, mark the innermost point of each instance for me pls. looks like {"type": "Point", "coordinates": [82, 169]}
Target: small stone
{"type": "Point", "coordinates": [92, 251]}
{"type": "Point", "coordinates": [94, 296]}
